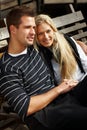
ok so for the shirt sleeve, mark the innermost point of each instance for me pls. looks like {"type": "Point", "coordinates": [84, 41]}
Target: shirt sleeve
{"type": "Point", "coordinates": [12, 87]}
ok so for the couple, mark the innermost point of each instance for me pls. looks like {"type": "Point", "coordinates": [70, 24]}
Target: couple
{"type": "Point", "coordinates": [49, 100]}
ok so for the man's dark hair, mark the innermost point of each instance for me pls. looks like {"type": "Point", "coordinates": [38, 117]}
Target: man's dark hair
{"type": "Point", "coordinates": [14, 16]}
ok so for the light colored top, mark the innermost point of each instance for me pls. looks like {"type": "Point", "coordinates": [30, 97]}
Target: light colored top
{"type": "Point", "coordinates": [78, 74]}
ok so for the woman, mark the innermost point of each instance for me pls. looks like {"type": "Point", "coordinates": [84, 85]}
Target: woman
{"type": "Point", "coordinates": [65, 60]}
{"type": "Point", "coordinates": [57, 52]}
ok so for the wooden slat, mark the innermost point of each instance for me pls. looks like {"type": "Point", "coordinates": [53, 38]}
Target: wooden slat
{"type": "Point", "coordinates": [73, 24]}
{"type": "Point", "coordinates": [57, 1]}
{"type": "Point", "coordinates": [74, 28]}
{"type": "Point", "coordinates": [63, 1]}
{"type": "Point", "coordinates": [6, 123]}
{"type": "Point", "coordinates": [80, 35]}
{"type": "Point", "coordinates": [5, 116]}
{"type": "Point", "coordinates": [68, 19]}
{"type": "Point", "coordinates": [81, 1]}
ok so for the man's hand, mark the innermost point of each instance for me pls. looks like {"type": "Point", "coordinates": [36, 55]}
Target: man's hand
{"type": "Point", "coordinates": [83, 45]}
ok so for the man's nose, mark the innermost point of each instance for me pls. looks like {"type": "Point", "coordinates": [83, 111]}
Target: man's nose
{"type": "Point", "coordinates": [32, 31]}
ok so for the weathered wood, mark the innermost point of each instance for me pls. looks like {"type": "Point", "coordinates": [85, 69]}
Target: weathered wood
{"type": "Point", "coordinates": [57, 1]}
{"type": "Point", "coordinates": [73, 24]}
{"type": "Point", "coordinates": [68, 19]}
{"type": "Point", "coordinates": [80, 35]}
{"type": "Point", "coordinates": [63, 1]}
{"type": "Point", "coordinates": [73, 28]}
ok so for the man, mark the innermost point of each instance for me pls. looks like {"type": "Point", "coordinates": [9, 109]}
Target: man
{"type": "Point", "coordinates": [25, 81]}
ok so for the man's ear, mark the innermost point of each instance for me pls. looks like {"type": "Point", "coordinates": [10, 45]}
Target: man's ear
{"type": "Point", "coordinates": [12, 29]}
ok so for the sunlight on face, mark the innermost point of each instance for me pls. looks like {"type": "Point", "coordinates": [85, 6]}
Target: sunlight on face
{"type": "Point", "coordinates": [25, 33]}
{"type": "Point", "coordinates": [45, 34]}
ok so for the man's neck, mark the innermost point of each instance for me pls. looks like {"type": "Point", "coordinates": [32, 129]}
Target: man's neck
{"type": "Point", "coordinates": [15, 49]}
{"type": "Point", "coordinates": [18, 54]}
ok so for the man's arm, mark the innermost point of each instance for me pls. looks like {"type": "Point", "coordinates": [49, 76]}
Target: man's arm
{"type": "Point", "coordinates": [83, 45]}
{"type": "Point", "coordinates": [40, 101]}
{"type": "Point", "coordinates": [23, 104]}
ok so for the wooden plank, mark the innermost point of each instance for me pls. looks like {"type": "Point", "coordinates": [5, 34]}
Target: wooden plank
{"type": "Point", "coordinates": [80, 35]}
{"type": "Point", "coordinates": [68, 19]}
{"type": "Point", "coordinates": [74, 28]}
{"type": "Point", "coordinates": [5, 116]}
{"type": "Point", "coordinates": [6, 123]}
{"type": "Point", "coordinates": [73, 24]}
{"type": "Point", "coordinates": [57, 1]}
{"type": "Point", "coordinates": [5, 4]}
{"type": "Point", "coordinates": [63, 1]}
{"type": "Point", "coordinates": [81, 1]}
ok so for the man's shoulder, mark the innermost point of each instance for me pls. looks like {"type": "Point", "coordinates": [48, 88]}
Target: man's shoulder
{"type": "Point", "coordinates": [3, 62]}
{"type": "Point", "coordinates": [8, 63]}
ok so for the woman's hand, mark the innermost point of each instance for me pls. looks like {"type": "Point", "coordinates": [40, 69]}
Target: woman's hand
{"type": "Point", "coordinates": [67, 85]}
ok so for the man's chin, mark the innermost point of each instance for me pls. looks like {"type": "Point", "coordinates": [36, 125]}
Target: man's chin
{"type": "Point", "coordinates": [30, 43]}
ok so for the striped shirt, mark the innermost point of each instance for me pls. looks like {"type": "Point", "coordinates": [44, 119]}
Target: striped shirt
{"type": "Point", "coordinates": [21, 77]}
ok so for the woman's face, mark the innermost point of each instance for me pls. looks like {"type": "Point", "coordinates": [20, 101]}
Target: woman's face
{"type": "Point", "coordinates": [45, 34]}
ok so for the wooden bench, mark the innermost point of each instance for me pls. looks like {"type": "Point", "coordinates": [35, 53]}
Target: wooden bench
{"type": "Point", "coordinates": [72, 24]}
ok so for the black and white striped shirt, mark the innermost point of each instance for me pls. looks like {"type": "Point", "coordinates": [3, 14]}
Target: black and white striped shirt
{"type": "Point", "coordinates": [21, 77]}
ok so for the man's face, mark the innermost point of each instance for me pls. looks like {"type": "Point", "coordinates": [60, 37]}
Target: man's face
{"type": "Point", "coordinates": [25, 33]}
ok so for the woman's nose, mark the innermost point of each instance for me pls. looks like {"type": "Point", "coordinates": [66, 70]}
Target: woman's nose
{"type": "Point", "coordinates": [46, 35]}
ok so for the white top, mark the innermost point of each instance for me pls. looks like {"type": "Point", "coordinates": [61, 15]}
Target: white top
{"type": "Point", "coordinates": [78, 75]}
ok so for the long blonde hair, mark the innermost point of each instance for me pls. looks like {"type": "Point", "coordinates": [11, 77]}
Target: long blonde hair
{"type": "Point", "coordinates": [62, 51]}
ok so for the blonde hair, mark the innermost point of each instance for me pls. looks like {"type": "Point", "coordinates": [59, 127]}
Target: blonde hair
{"type": "Point", "coordinates": [62, 51]}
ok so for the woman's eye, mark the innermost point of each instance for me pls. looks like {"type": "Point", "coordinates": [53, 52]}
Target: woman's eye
{"type": "Point", "coordinates": [48, 31]}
